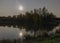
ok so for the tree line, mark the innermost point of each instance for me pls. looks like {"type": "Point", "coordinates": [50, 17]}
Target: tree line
{"type": "Point", "coordinates": [37, 19]}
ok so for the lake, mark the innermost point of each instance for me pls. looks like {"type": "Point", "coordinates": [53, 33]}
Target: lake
{"type": "Point", "coordinates": [10, 32]}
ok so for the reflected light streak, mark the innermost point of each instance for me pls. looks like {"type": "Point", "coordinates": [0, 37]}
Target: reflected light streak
{"type": "Point", "coordinates": [21, 34]}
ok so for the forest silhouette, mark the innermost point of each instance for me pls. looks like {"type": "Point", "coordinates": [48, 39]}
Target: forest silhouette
{"type": "Point", "coordinates": [37, 19]}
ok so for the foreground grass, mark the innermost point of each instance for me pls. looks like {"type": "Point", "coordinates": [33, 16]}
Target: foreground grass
{"type": "Point", "coordinates": [56, 40]}
{"type": "Point", "coordinates": [39, 40]}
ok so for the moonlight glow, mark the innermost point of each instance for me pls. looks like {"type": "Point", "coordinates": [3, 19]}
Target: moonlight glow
{"type": "Point", "coordinates": [21, 34]}
{"type": "Point", "coordinates": [21, 8]}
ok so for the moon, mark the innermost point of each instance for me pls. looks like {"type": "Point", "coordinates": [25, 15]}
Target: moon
{"type": "Point", "coordinates": [21, 8]}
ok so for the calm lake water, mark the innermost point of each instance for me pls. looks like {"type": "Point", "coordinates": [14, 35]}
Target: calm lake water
{"type": "Point", "coordinates": [15, 33]}
{"type": "Point", "coordinates": [10, 32]}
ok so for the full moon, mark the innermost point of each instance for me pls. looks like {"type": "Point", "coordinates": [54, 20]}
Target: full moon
{"type": "Point", "coordinates": [21, 8]}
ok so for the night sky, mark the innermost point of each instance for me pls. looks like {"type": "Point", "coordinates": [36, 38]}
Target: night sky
{"type": "Point", "coordinates": [10, 7]}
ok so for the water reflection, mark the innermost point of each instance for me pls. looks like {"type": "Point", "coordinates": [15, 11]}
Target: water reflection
{"type": "Point", "coordinates": [10, 32]}
{"type": "Point", "coordinates": [17, 35]}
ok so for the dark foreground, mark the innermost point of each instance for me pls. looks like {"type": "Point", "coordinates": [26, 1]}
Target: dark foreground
{"type": "Point", "coordinates": [56, 40]}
